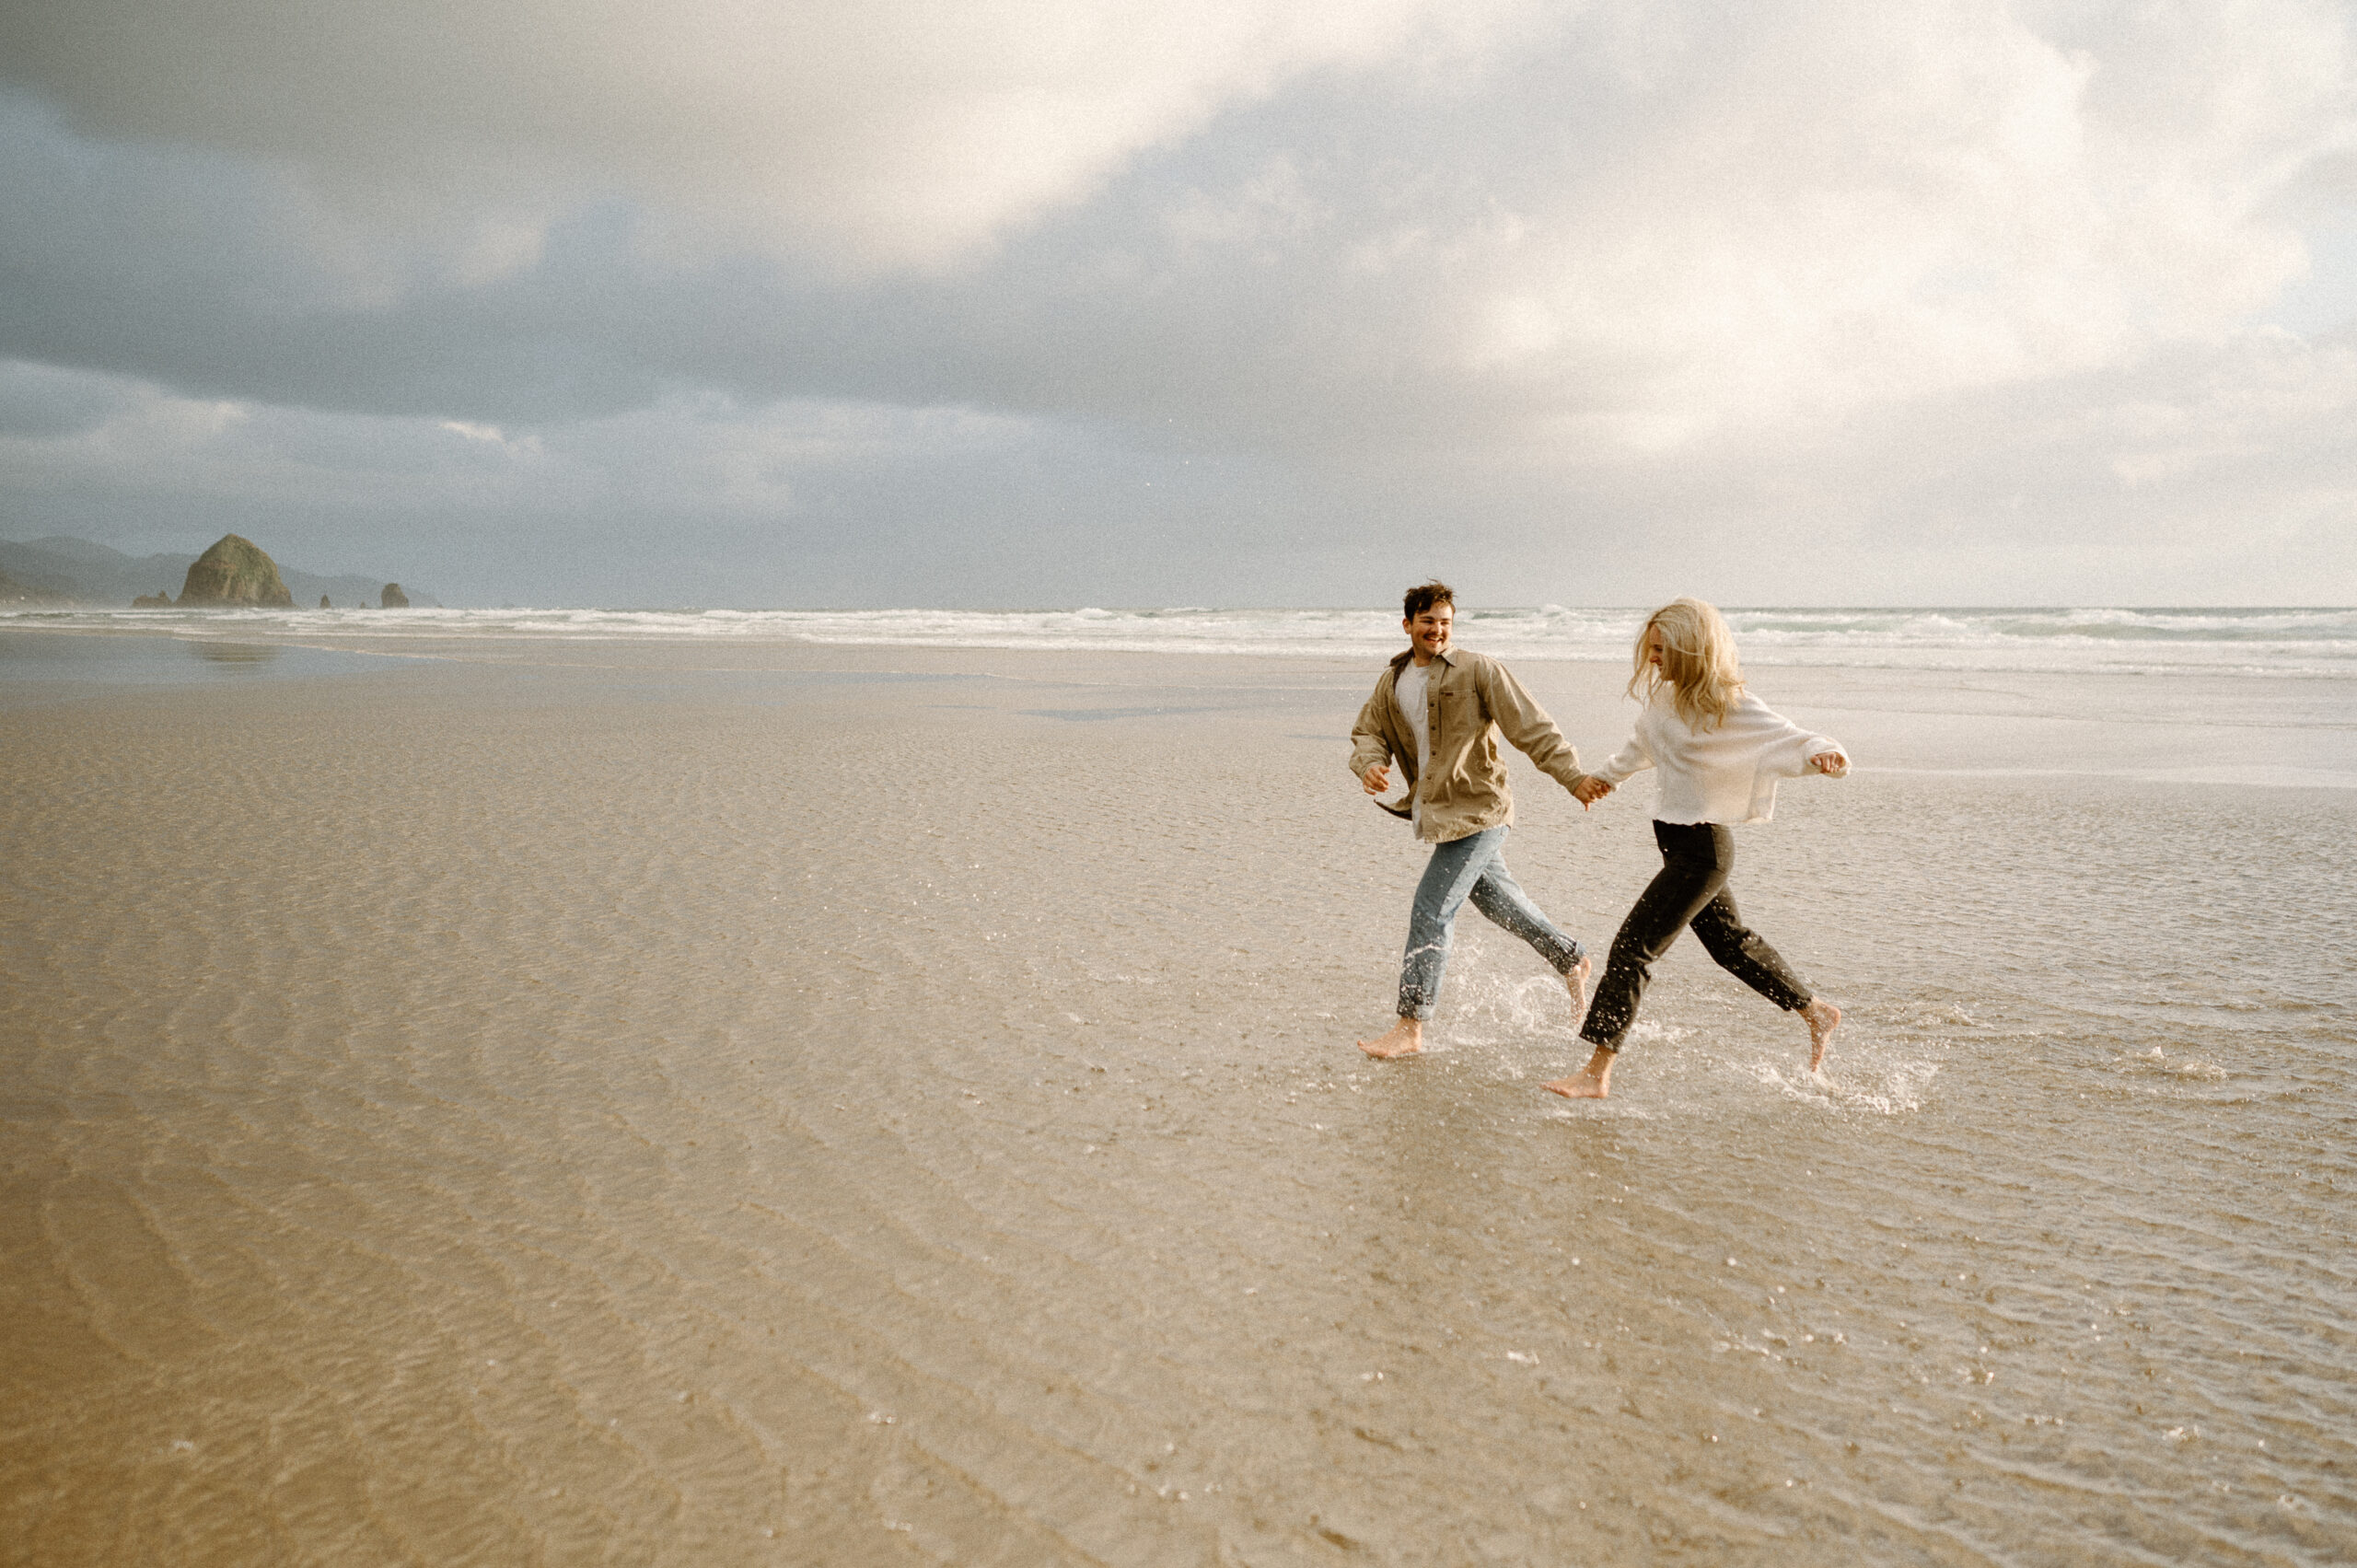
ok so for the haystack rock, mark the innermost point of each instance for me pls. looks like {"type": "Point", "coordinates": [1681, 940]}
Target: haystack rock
{"type": "Point", "coordinates": [235, 573]}
{"type": "Point", "coordinates": [392, 597]}
{"type": "Point", "coordinates": [159, 599]}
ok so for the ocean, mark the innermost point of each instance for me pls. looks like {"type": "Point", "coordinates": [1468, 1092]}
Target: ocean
{"type": "Point", "coordinates": [664, 1088]}
{"type": "Point", "coordinates": [2295, 641]}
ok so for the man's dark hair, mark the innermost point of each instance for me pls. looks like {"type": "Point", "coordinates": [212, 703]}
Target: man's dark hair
{"type": "Point", "coordinates": [1423, 596]}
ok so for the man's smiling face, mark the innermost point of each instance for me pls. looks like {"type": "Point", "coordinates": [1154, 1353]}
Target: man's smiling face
{"type": "Point", "coordinates": [1428, 631]}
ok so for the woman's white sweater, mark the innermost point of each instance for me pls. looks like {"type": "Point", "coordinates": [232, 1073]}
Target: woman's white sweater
{"type": "Point", "coordinates": [1725, 773]}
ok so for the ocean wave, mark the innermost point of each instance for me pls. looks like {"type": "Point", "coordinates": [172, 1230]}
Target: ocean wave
{"type": "Point", "coordinates": [2278, 641]}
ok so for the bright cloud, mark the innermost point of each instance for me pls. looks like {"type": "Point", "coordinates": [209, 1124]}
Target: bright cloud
{"type": "Point", "coordinates": [1874, 281]}
{"type": "Point", "coordinates": [869, 133]}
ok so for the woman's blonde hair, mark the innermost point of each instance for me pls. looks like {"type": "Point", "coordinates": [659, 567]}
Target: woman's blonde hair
{"type": "Point", "coordinates": [1697, 662]}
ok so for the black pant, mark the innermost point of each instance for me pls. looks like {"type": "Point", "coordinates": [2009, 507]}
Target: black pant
{"type": "Point", "coordinates": [1691, 889]}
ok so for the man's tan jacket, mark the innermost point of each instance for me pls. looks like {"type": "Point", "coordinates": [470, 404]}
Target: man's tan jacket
{"type": "Point", "coordinates": [1470, 699]}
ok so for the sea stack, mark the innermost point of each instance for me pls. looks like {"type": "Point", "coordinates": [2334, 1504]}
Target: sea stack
{"type": "Point", "coordinates": [235, 574]}
{"type": "Point", "coordinates": [392, 597]}
{"type": "Point", "coordinates": [160, 600]}
{"type": "Point", "coordinates": [323, 602]}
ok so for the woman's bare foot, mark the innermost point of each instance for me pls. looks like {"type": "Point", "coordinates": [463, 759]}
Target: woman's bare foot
{"type": "Point", "coordinates": [1591, 1082]}
{"type": "Point", "coordinates": [1576, 984]}
{"type": "Point", "coordinates": [1823, 1017]}
{"type": "Point", "coordinates": [1403, 1038]}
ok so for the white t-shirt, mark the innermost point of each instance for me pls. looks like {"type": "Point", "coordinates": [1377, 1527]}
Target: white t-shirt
{"type": "Point", "coordinates": [1407, 689]}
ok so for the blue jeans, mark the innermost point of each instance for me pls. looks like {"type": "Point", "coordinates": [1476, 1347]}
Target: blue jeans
{"type": "Point", "coordinates": [1471, 867]}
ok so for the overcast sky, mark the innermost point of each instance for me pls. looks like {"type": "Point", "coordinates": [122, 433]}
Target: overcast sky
{"type": "Point", "coordinates": [1138, 302]}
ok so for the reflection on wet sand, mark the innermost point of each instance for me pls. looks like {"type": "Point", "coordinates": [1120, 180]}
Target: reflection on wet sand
{"type": "Point", "coordinates": [235, 654]}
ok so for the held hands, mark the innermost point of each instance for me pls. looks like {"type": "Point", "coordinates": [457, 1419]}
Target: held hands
{"type": "Point", "coordinates": [1589, 790]}
{"type": "Point", "coordinates": [1376, 779]}
{"type": "Point", "coordinates": [1832, 764]}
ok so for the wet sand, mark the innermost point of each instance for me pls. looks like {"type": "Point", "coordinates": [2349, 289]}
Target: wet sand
{"type": "Point", "coordinates": [594, 1102]}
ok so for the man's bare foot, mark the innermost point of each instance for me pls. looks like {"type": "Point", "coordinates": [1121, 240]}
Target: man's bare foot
{"type": "Point", "coordinates": [1576, 984]}
{"type": "Point", "coordinates": [1823, 1017]}
{"type": "Point", "coordinates": [1403, 1038]}
{"type": "Point", "coordinates": [1591, 1082]}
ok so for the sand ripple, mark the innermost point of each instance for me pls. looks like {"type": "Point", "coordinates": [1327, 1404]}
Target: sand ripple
{"type": "Point", "coordinates": [644, 1114]}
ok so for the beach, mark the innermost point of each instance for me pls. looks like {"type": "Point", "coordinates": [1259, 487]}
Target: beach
{"type": "Point", "coordinates": [499, 1099]}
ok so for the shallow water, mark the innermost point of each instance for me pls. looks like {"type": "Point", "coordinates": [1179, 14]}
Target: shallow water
{"type": "Point", "coordinates": [37, 665]}
{"type": "Point", "coordinates": [624, 1110]}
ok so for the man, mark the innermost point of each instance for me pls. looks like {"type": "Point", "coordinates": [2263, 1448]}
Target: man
{"type": "Point", "coordinates": [1439, 713]}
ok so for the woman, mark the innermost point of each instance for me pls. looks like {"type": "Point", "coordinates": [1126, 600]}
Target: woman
{"type": "Point", "coordinates": [1719, 751]}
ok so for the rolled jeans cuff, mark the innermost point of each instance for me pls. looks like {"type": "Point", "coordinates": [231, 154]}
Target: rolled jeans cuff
{"type": "Point", "coordinates": [1567, 956]}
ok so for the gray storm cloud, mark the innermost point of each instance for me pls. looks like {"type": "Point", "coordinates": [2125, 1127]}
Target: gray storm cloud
{"type": "Point", "coordinates": [1880, 283]}
{"type": "Point", "coordinates": [874, 134]}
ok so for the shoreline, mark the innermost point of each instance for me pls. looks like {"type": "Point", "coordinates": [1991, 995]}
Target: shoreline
{"type": "Point", "coordinates": [2196, 729]}
{"type": "Point", "coordinates": [2293, 643]}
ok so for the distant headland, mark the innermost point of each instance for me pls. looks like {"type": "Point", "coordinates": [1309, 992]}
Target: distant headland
{"type": "Point", "coordinates": [235, 573]}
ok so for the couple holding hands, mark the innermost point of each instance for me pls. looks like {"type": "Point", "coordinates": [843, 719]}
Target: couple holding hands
{"type": "Point", "coordinates": [1718, 752]}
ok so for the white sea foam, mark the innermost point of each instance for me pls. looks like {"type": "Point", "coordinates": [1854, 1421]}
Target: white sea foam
{"type": "Point", "coordinates": [2301, 641]}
